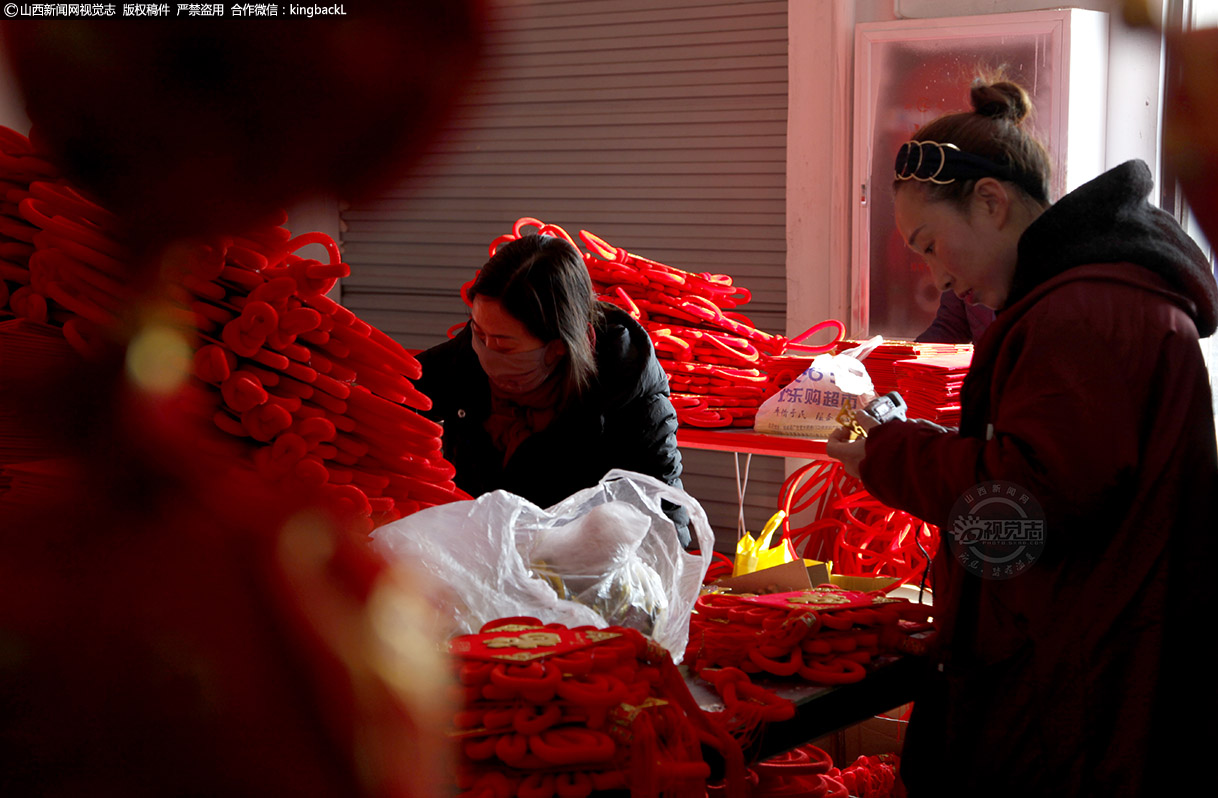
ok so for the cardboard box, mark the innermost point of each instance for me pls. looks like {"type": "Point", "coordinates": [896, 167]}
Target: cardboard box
{"type": "Point", "coordinates": [798, 575]}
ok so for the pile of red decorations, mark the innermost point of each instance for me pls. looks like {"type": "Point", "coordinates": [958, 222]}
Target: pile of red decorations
{"type": "Point", "coordinates": [552, 711]}
{"type": "Point", "coordinates": [931, 385]}
{"type": "Point", "coordinates": [929, 377]}
{"type": "Point", "coordinates": [882, 362]}
{"type": "Point", "coordinates": [720, 366]}
{"type": "Point", "coordinates": [321, 398]}
{"type": "Point", "coordinates": [808, 772]}
{"type": "Point", "coordinates": [826, 635]}
{"type": "Point", "coordinates": [853, 529]}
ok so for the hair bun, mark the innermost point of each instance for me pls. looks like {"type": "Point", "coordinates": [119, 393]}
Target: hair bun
{"type": "Point", "coordinates": [1001, 100]}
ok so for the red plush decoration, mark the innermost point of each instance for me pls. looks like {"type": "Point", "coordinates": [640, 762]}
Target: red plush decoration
{"type": "Point", "coordinates": [194, 124]}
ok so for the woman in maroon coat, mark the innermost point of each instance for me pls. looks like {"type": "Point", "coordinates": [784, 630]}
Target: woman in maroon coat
{"type": "Point", "coordinates": [1078, 499]}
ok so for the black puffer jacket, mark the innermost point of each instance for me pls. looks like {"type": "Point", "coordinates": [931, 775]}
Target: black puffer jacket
{"type": "Point", "coordinates": [624, 421]}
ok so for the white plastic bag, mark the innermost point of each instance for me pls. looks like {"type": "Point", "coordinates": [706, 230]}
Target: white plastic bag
{"type": "Point", "coordinates": [604, 556]}
{"type": "Point", "coordinates": [809, 405]}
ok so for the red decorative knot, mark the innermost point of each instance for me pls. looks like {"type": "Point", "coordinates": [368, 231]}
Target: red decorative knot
{"type": "Point", "coordinates": [557, 711]}
{"type": "Point", "coordinates": [825, 635]}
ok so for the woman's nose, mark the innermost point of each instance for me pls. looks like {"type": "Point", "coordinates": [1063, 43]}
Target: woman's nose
{"type": "Point", "coordinates": [943, 281]}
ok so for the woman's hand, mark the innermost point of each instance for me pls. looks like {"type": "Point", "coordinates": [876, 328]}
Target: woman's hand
{"type": "Point", "coordinates": [850, 453]}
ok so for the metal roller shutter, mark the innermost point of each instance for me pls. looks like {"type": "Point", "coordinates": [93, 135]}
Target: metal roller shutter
{"type": "Point", "coordinates": [659, 125]}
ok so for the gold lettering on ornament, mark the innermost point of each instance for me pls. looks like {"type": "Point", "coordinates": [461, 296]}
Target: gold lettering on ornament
{"type": "Point", "coordinates": [818, 598]}
{"type": "Point", "coordinates": [597, 637]}
{"type": "Point", "coordinates": [522, 656]}
{"type": "Point", "coordinates": [528, 640]}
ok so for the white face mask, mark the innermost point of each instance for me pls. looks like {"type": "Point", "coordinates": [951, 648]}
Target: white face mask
{"type": "Point", "coordinates": [519, 372]}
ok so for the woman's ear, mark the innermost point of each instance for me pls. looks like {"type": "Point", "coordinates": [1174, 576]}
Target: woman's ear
{"type": "Point", "coordinates": [992, 199]}
{"type": "Point", "coordinates": [556, 350]}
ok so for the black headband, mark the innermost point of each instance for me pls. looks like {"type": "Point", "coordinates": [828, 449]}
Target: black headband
{"type": "Point", "coordinates": [932, 162]}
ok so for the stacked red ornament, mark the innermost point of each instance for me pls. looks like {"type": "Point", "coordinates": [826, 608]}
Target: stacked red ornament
{"type": "Point", "coordinates": [826, 635]}
{"type": "Point", "coordinates": [555, 711]}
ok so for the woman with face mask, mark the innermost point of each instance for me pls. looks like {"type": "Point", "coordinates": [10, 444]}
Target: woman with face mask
{"type": "Point", "coordinates": [1077, 501]}
{"type": "Point", "coordinates": [546, 389]}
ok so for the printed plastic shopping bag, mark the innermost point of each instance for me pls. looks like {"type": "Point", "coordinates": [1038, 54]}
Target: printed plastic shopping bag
{"type": "Point", "coordinates": [809, 405]}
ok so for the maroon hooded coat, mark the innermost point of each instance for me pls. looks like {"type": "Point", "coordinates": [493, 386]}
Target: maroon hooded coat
{"type": "Point", "coordinates": [1083, 675]}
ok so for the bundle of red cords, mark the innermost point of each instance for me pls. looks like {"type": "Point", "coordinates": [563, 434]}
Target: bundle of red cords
{"type": "Point", "coordinates": [853, 529]}
{"type": "Point", "coordinates": [557, 711]}
{"type": "Point", "coordinates": [319, 398]}
{"type": "Point", "coordinates": [720, 366]}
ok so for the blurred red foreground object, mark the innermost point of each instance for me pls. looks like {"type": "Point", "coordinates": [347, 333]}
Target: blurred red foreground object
{"type": "Point", "coordinates": [198, 125]}
{"type": "Point", "coordinates": [170, 622]}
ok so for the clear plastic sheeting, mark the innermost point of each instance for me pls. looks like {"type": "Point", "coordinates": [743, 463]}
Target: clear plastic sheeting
{"type": "Point", "coordinates": [605, 556]}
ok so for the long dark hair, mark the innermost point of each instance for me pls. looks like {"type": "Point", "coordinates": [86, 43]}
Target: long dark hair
{"type": "Point", "coordinates": [994, 131]}
{"type": "Point", "coordinates": [542, 282]}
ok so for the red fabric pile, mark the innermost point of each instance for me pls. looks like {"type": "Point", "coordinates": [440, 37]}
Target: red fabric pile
{"type": "Point", "coordinates": [321, 398]}
{"type": "Point", "coordinates": [553, 711]}
{"type": "Point", "coordinates": [720, 366]}
{"type": "Point", "coordinates": [826, 635]}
